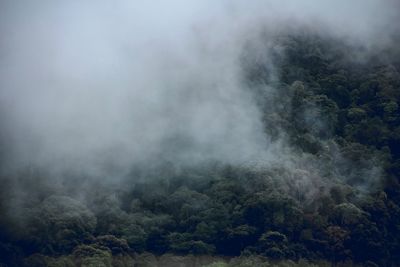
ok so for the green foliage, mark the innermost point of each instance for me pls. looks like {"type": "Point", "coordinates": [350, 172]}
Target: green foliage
{"type": "Point", "coordinates": [183, 244]}
{"type": "Point", "coordinates": [217, 264]}
{"type": "Point", "coordinates": [91, 256]}
{"type": "Point", "coordinates": [57, 225]}
{"type": "Point", "coordinates": [341, 119]}
{"type": "Point", "coordinates": [116, 245]}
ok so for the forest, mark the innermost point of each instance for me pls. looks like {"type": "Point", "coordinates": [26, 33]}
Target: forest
{"type": "Point", "coordinates": [330, 197]}
{"type": "Point", "coordinates": [248, 211]}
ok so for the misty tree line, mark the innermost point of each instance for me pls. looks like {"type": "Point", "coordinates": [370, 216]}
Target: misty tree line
{"type": "Point", "coordinates": [331, 97]}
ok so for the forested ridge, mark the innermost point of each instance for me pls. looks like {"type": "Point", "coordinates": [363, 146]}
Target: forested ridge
{"type": "Point", "coordinates": [336, 105]}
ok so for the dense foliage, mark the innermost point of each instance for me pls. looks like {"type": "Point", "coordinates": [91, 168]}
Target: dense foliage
{"type": "Point", "coordinates": [330, 99]}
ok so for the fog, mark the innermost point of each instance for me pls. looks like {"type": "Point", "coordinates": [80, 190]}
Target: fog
{"type": "Point", "coordinates": [98, 86]}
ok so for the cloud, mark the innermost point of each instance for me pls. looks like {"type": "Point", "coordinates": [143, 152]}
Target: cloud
{"type": "Point", "coordinates": [101, 85]}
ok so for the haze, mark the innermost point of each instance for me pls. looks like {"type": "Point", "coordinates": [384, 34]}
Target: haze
{"type": "Point", "coordinates": [101, 85]}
